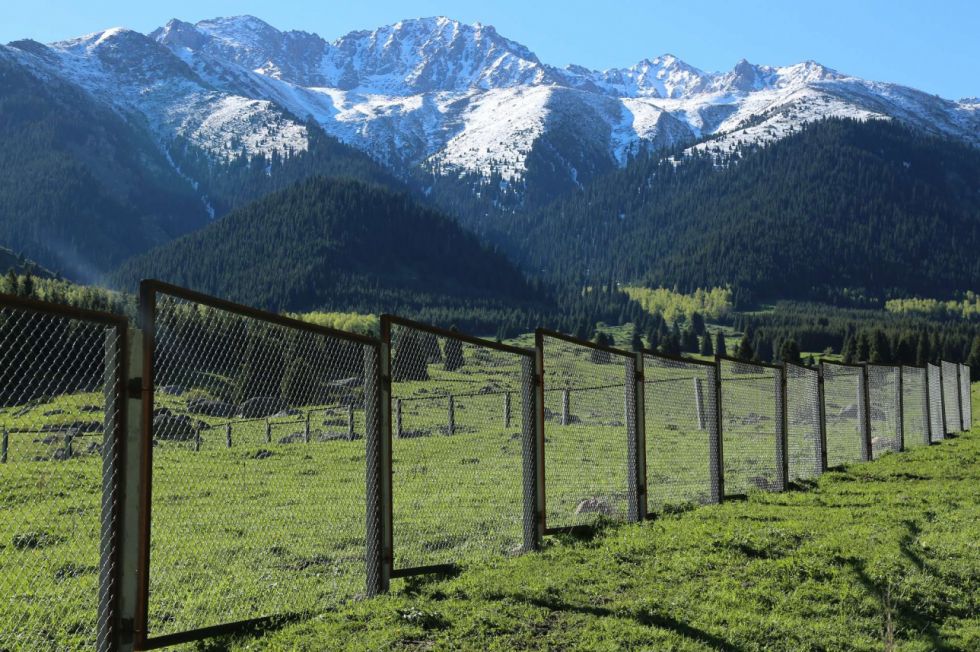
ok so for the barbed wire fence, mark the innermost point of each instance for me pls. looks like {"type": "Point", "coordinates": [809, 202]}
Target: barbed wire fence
{"type": "Point", "coordinates": [283, 468]}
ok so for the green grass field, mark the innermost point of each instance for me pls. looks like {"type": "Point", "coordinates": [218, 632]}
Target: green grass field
{"type": "Point", "coordinates": [877, 556]}
{"type": "Point", "coordinates": [270, 527]}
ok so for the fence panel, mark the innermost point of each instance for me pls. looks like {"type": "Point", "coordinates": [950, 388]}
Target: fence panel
{"type": "Point", "coordinates": [587, 445]}
{"type": "Point", "coordinates": [61, 402]}
{"type": "Point", "coordinates": [257, 489]}
{"type": "Point", "coordinates": [951, 397]}
{"type": "Point", "coordinates": [751, 426]}
{"type": "Point", "coordinates": [885, 404]}
{"type": "Point", "coordinates": [681, 432]}
{"type": "Point", "coordinates": [843, 407]}
{"type": "Point", "coordinates": [803, 421]}
{"type": "Point", "coordinates": [937, 417]}
{"type": "Point", "coordinates": [915, 406]}
{"type": "Point", "coordinates": [966, 401]}
{"type": "Point", "coordinates": [459, 429]}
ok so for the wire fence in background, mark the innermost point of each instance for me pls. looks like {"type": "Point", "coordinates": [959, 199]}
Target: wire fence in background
{"type": "Point", "coordinates": [752, 426]}
{"type": "Point", "coordinates": [803, 432]}
{"type": "Point", "coordinates": [937, 416]}
{"type": "Point", "coordinates": [885, 409]}
{"type": "Point", "coordinates": [258, 464]}
{"type": "Point", "coordinates": [844, 412]}
{"type": "Point", "coordinates": [60, 419]}
{"type": "Point", "coordinates": [915, 406]}
{"type": "Point", "coordinates": [966, 401]}
{"type": "Point", "coordinates": [589, 412]}
{"type": "Point", "coordinates": [681, 431]}
{"type": "Point", "coordinates": [462, 421]}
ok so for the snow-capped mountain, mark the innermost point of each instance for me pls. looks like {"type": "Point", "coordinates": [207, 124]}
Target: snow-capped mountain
{"type": "Point", "coordinates": [453, 98]}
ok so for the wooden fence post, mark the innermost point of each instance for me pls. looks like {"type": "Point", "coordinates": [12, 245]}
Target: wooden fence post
{"type": "Point", "coordinates": [565, 407]}
{"type": "Point", "coordinates": [350, 422]}
{"type": "Point", "coordinates": [506, 409]}
{"type": "Point", "coordinates": [4, 446]}
{"type": "Point", "coordinates": [451, 428]}
{"type": "Point", "coordinates": [268, 431]}
{"type": "Point", "coordinates": [699, 404]}
{"type": "Point", "coordinates": [228, 434]}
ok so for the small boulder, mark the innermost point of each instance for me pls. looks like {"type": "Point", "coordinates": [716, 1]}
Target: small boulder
{"type": "Point", "coordinates": [261, 406]}
{"type": "Point", "coordinates": [595, 506]}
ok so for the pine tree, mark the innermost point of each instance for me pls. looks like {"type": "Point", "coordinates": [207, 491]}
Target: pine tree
{"type": "Point", "coordinates": [745, 351]}
{"type": "Point", "coordinates": [848, 352]}
{"type": "Point", "coordinates": [973, 361]}
{"type": "Point", "coordinates": [863, 347]}
{"type": "Point", "coordinates": [879, 350]}
{"type": "Point", "coordinates": [721, 348]}
{"type": "Point", "coordinates": [690, 341]}
{"type": "Point", "coordinates": [706, 347]}
{"type": "Point", "coordinates": [636, 342]}
{"type": "Point", "coordinates": [923, 353]}
{"type": "Point", "coordinates": [789, 351]}
{"type": "Point", "coordinates": [697, 323]}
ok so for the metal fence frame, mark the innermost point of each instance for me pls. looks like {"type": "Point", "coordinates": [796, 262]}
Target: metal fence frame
{"type": "Point", "coordinates": [635, 440]}
{"type": "Point", "coordinates": [532, 445]}
{"type": "Point", "coordinates": [110, 544]}
{"type": "Point", "coordinates": [380, 568]}
{"type": "Point", "coordinates": [863, 418]}
{"type": "Point", "coordinates": [780, 446]}
{"type": "Point", "coordinates": [820, 444]}
{"type": "Point", "coordinates": [149, 289]}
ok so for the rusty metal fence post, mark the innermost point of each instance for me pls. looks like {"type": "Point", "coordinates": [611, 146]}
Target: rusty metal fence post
{"type": "Point", "coordinates": [864, 416]}
{"type": "Point", "coordinates": [635, 441]}
{"type": "Point", "coordinates": [529, 454]}
{"type": "Point", "coordinates": [716, 450]}
{"type": "Point", "coordinates": [782, 443]}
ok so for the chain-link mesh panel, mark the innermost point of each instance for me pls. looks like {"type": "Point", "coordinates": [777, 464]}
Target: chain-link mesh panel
{"type": "Point", "coordinates": [937, 420]}
{"type": "Point", "coordinates": [966, 401]}
{"type": "Point", "coordinates": [884, 399]}
{"type": "Point", "coordinates": [843, 411]}
{"type": "Point", "coordinates": [59, 429]}
{"type": "Point", "coordinates": [803, 421]}
{"type": "Point", "coordinates": [457, 471]}
{"type": "Point", "coordinates": [915, 408]}
{"type": "Point", "coordinates": [681, 421]}
{"type": "Point", "coordinates": [258, 474]}
{"type": "Point", "coordinates": [586, 412]}
{"type": "Point", "coordinates": [951, 397]}
{"type": "Point", "coordinates": [750, 426]}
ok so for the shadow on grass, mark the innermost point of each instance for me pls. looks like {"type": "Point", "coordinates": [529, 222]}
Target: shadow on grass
{"type": "Point", "coordinates": [254, 630]}
{"type": "Point", "coordinates": [642, 617]}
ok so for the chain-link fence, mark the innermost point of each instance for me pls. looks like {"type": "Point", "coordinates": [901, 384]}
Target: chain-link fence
{"type": "Point", "coordinates": [258, 463]}
{"type": "Point", "coordinates": [937, 417]}
{"type": "Point", "coordinates": [462, 423]}
{"type": "Point", "coordinates": [681, 427]}
{"type": "Point", "coordinates": [803, 432]}
{"type": "Point", "coordinates": [966, 401]}
{"type": "Point", "coordinates": [844, 413]}
{"type": "Point", "coordinates": [61, 402]}
{"type": "Point", "coordinates": [951, 396]}
{"type": "Point", "coordinates": [589, 411]}
{"type": "Point", "coordinates": [752, 426]}
{"type": "Point", "coordinates": [885, 405]}
{"type": "Point", "coordinates": [915, 406]}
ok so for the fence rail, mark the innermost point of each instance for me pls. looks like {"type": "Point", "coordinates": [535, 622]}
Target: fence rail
{"type": "Point", "coordinates": [279, 468]}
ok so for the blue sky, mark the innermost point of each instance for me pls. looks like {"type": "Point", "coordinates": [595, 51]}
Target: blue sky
{"type": "Point", "coordinates": [934, 46]}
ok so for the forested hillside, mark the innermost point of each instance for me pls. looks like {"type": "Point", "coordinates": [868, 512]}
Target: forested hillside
{"type": "Point", "coordinates": [842, 207]}
{"type": "Point", "coordinates": [341, 245]}
{"type": "Point", "coordinates": [80, 189]}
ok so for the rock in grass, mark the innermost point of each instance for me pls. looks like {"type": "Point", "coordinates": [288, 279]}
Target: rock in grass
{"type": "Point", "coordinates": [294, 438]}
{"type": "Point", "coordinates": [595, 506]}
{"type": "Point", "coordinates": [261, 454]}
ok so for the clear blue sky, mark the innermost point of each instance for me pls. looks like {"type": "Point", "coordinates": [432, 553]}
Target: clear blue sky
{"type": "Point", "coordinates": [934, 46]}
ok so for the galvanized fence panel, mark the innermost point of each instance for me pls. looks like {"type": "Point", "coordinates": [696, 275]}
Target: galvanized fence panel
{"type": "Point", "coordinates": [804, 439]}
{"type": "Point", "coordinates": [844, 412]}
{"type": "Point", "coordinates": [937, 416]}
{"type": "Point", "coordinates": [752, 426]}
{"type": "Point", "coordinates": [885, 401]}
{"type": "Point", "coordinates": [61, 416]}
{"type": "Point", "coordinates": [915, 406]}
{"type": "Point", "coordinates": [951, 397]}
{"type": "Point", "coordinates": [682, 437]}
{"type": "Point", "coordinates": [461, 424]}
{"type": "Point", "coordinates": [588, 417]}
{"type": "Point", "coordinates": [257, 490]}
{"type": "Point", "coordinates": [966, 401]}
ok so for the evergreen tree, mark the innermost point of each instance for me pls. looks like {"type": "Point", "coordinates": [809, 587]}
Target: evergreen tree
{"type": "Point", "coordinates": [923, 352]}
{"type": "Point", "coordinates": [974, 359]}
{"type": "Point", "coordinates": [697, 323]}
{"type": "Point", "coordinates": [789, 351]}
{"type": "Point", "coordinates": [745, 351]}
{"type": "Point", "coordinates": [636, 342]}
{"type": "Point", "coordinates": [706, 347]}
{"type": "Point", "coordinates": [690, 341]}
{"type": "Point", "coordinates": [720, 345]}
{"type": "Point", "coordinates": [879, 350]}
{"type": "Point", "coordinates": [863, 350]}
